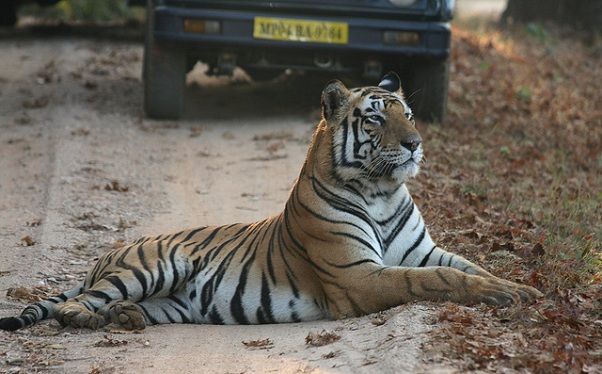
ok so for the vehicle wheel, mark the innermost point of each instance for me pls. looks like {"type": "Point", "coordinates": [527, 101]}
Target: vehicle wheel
{"type": "Point", "coordinates": [164, 74]}
{"type": "Point", "coordinates": [428, 94]}
{"type": "Point", "coordinates": [262, 75]}
{"type": "Point", "coordinates": [8, 13]}
{"type": "Point", "coordinates": [47, 2]}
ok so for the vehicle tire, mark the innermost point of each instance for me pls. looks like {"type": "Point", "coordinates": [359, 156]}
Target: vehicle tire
{"type": "Point", "coordinates": [47, 2]}
{"type": "Point", "coordinates": [164, 75]}
{"type": "Point", "coordinates": [8, 13]}
{"type": "Point", "coordinates": [428, 94]}
{"type": "Point", "coordinates": [592, 16]}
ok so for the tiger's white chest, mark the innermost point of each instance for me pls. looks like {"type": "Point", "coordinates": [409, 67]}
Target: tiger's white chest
{"type": "Point", "coordinates": [399, 226]}
{"type": "Point", "coordinates": [381, 209]}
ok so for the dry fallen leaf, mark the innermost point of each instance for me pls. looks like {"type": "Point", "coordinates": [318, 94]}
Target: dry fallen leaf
{"type": "Point", "coordinates": [228, 135]}
{"type": "Point", "coordinates": [30, 295]}
{"type": "Point", "coordinates": [27, 241]}
{"type": "Point", "coordinates": [90, 85]}
{"type": "Point", "coordinates": [272, 148]}
{"type": "Point", "coordinates": [80, 132]}
{"type": "Point", "coordinates": [282, 135]}
{"type": "Point", "coordinates": [538, 250]}
{"type": "Point", "coordinates": [259, 344]}
{"type": "Point", "coordinates": [34, 222]}
{"type": "Point", "coordinates": [55, 346]}
{"type": "Point", "coordinates": [196, 131]}
{"type": "Point", "coordinates": [37, 103]}
{"type": "Point", "coordinates": [379, 318]}
{"type": "Point", "coordinates": [331, 354]}
{"type": "Point", "coordinates": [508, 246]}
{"type": "Point", "coordinates": [318, 339]}
{"type": "Point", "coordinates": [114, 185]}
{"type": "Point", "coordinates": [109, 341]}
{"type": "Point", "coordinates": [268, 158]}
{"type": "Point", "coordinates": [23, 119]}
{"type": "Point", "coordinates": [123, 224]}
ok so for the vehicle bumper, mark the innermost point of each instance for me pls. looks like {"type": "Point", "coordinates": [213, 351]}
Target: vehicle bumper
{"type": "Point", "coordinates": [365, 34]}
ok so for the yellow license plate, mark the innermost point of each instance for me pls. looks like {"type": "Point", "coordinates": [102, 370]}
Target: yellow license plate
{"type": "Point", "coordinates": [300, 30]}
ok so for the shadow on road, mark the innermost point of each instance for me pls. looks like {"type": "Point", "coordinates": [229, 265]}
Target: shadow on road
{"type": "Point", "coordinates": [130, 32]}
{"type": "Point", "coordinates": [290, 95]}
{"type": "Point", "coordinates": [293, 95]}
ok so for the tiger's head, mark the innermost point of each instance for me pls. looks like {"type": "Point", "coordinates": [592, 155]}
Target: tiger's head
{"type": "Point", "coordinates": [374, 136]}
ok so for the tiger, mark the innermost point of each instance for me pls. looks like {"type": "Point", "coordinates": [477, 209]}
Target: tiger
{"type": "Point", "coordinates": [349, 242]}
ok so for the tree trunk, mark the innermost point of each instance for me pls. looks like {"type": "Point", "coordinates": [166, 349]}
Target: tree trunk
{"type": "Point", "coordinates": [582, 13]}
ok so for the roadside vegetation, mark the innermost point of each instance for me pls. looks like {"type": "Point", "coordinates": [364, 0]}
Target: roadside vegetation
{"type": "Point", "coordinates": [514, 181]}
{"type": "Point", "coordinates": [89, 11]}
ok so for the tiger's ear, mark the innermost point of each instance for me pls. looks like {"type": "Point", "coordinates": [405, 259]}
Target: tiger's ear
{"type": "Point", "coordinates": [334, 96]}
{"type": "Point", "coordinates": [391, 82]}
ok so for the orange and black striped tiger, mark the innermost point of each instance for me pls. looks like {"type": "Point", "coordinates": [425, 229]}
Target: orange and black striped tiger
{"type": "Point", "coordinates": [350, 241]}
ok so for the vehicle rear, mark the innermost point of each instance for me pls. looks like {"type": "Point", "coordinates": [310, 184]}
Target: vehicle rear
{"type": "Point", "coordinates": [363, 38]}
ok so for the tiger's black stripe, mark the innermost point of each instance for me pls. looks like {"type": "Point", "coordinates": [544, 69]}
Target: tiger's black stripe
{"type": "Point", "coordinates": [414, 246]}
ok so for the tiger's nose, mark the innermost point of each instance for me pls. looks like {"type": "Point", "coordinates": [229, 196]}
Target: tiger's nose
{"type": "Point", "coordinates": [412, 145]}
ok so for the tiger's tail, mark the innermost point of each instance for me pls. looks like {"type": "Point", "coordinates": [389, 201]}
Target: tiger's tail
{"type": "Point", "coordinates": [39, 311]}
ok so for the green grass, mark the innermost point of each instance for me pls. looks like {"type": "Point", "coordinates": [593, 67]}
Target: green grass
{"type": "Point", "coordinates": [573, 225]}
{"type": "Point", "coordinates": [95, 11]}
{"type": "Point", "coordinates": [568, 214]}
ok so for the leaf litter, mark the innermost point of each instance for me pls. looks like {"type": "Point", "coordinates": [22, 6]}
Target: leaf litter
{"type": "Point", "coordinates": [109, 341]}
{"type": "Point", "coordinates": [318, 339]}
{"type": "Point", "coordinates": [31, 295]}
{"type": "Point", "coordinates": [512, 183]}
{"type": "Point", "coordinates": [259, 343]}
{"type": "Point", "coordinates": [27, 241]}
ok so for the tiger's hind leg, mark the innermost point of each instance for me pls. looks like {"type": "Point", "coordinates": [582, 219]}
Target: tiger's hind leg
{"type": "Point", "coordinates": [75, 314]}
{"type": "Point", "coordinates": [128, 314]}
{"type": "Point", "coordinates": [120, 281]}
{"type": "Point", "coordinates": [81, 311]}
{"type": "Point", "coordinates": [156, 311]}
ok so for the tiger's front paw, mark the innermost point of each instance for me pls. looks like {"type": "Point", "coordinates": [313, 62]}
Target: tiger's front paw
{"type": "Point", "coordinates": [527, 294]}
{"type": "Point", "coordinates": [499, 292]}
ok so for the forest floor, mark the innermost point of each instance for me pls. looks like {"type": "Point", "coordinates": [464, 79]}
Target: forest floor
{"type": "Point", "coordinates": [514, 181]}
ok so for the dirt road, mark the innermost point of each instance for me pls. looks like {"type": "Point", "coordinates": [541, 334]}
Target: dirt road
{"type": "Point", "coordinates": [82, 170]}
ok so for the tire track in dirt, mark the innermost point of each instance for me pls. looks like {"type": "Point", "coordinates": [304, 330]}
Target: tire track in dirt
{"type": "Point", "coordinates": [26, 164]}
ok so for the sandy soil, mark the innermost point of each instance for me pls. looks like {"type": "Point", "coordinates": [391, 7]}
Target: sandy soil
{"type": "Point", "coordinates": [81, 170]}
